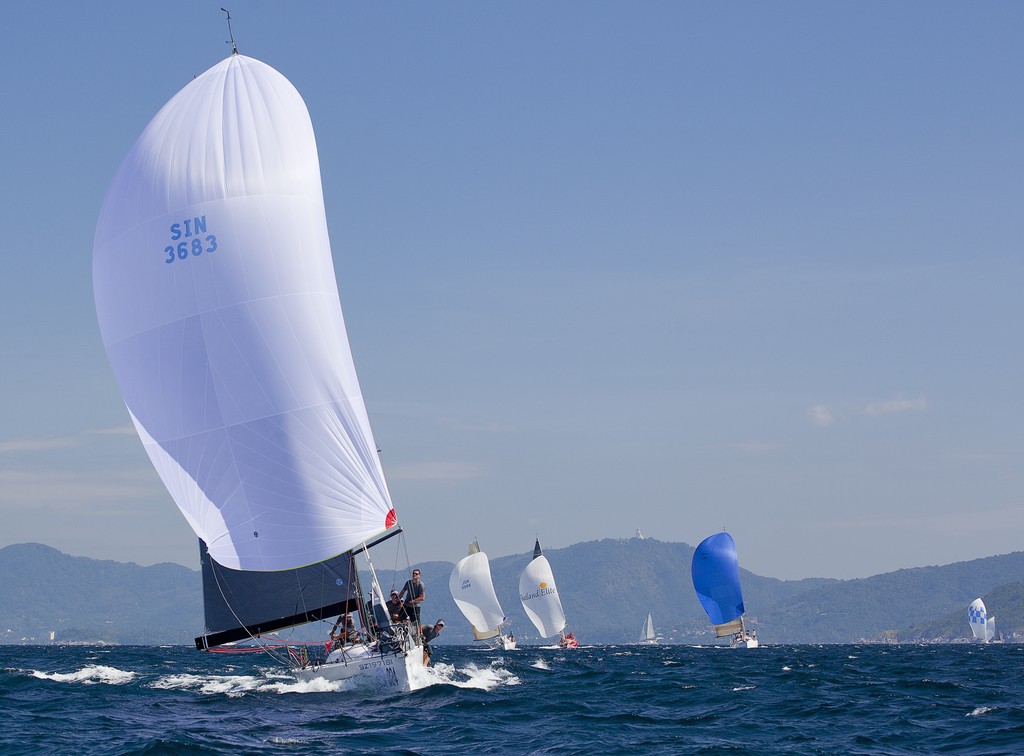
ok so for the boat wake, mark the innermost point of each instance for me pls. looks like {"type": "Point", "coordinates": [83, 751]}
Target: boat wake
{"type": "Point", "coordinates": [235, 686]}
{"type": "Point", "coordinates": [471, 676]}
{"type": "Point", "coordinates": [94, 674]}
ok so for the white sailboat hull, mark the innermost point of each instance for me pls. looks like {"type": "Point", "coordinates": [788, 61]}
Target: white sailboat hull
{"type": "Point", "coordinates": [507, 644]}
{"type": "Point", "coordinates": [389, 671]}
{"type": "Point", "coordinates": [743, 642]}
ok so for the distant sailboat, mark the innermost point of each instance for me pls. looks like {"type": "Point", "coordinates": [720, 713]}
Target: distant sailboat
{"type": "Point", "coordinates": [473, 590]}
{"type": "Point", "coordinates": [539, 596]}
{"type": "Point", "coordinates": [716, 578]}
{"type": "Point", "coordinates": [982, 626]}
{"type": "Point", "coordinates": [218, 307]}
{"type": "Point", "coordinates": [647, 634]}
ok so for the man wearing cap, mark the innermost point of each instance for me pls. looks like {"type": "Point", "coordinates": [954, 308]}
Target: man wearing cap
{"type": "Point", "coordinates": [429, 633]}
{"type": "Point", "coordinates": [396, 609]}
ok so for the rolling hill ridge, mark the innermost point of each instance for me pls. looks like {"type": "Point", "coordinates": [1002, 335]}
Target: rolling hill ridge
{"type": "Point", "coordinates": [607, 587]}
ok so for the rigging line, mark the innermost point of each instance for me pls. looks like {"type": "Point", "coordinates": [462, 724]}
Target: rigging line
{"type": "Point", "coordinates": [394, 565]}
{"type": "Point", "coordinates": [220, 588]}
{"type": "Point", "coordinates": [408, 563]}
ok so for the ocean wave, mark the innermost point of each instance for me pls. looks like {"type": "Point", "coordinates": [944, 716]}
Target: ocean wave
{"type": "Point", "coordinates": [93, 674]}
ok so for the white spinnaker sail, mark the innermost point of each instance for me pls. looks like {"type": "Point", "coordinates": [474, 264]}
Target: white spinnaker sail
{"type": "Point", "coordinates": [473, 591]}
{"type": "Point", "coordinates": [977, 618]}
{"type": "Point", "coordinates": [218, 307]}
{"type": "Point", "coordinates": [539, 595]}
{"type": "Point", "coordinates": [990, 628]}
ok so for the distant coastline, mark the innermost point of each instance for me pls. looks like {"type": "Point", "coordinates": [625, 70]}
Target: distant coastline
{"type": "Point", "coordinates": [607, 587]}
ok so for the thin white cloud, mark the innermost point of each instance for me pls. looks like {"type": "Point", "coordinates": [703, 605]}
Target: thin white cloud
{"type": "Point", "coordinates": [115, 430]}
{"type": "Point", "coordinates": [31, 489]}
{"type": "Point", "coordinates": [486, 427]}
{"type": "Point", "coordinates": [821, 415]}
{"type": "Point", "coordinates": [749, 447]}
{"type": "Point", "coordinates": [944, 523]}
{"type": "Point", "coordinates": [27, 445]}
{"type": "Point", "coordinates": [435, 471]}
{"type": "Point", "coordinates": [896, 405]}
{"type": "Point", "coordinates": [22, 445]}
{"type": "Point", "coordinates": [824, 415]}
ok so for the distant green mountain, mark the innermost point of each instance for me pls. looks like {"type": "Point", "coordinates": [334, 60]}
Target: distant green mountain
{"type": "Point", "coordinates": [87, 600]}
{"type": "Point", "coordinates": [880, 606]}
{"type": "Point", "coordinates": [1005, 603]}
{"type": "Point", "coordinates": [607, 587]}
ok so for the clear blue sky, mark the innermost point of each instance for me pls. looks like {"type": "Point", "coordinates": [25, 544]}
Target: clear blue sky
{"type": "Point", "coordinates": [605, 265]}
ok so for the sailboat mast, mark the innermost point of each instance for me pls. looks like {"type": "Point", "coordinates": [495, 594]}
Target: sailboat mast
{"type": "Point", "coordinates": [234, 48]}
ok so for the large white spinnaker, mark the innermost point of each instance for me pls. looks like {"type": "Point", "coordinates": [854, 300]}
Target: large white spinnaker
{"type": "Point", "coordinates": [473, 590]}
{"type": "Point", "coordinates": [982, 626]}
{"type": "Point", "coordinates": [219, 310]}
{"type": "Point", "coordinates": [539, 595]}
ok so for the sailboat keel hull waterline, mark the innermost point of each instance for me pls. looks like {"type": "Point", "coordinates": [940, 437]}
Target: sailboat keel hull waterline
{"type": "Point", "coordinates": [743, 642]}
{"type": "Point", "coordinates": [400, 671]}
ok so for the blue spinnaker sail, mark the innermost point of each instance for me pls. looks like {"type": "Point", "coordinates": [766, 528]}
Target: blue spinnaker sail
{"type": "Point", "coordinates": [716, 578]}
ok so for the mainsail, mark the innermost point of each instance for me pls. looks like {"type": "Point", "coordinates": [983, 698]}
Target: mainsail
{"type": "Point", "coordinates": [238, 604]}
{"type": "Point", "coordinates": [539, 595]}
{"type": "Point", "coordinates": [218, 307]}
{"type": "Point", "coordinates": [647, 634]}
{"type": "Point", "coordinates": [982, 626]}
{"type": "Point", "coordinates": [716, 579]}
{"type": "Point", "coordinates": [473, 590]}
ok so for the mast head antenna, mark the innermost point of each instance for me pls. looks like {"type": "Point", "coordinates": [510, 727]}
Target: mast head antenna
{"type": "Point", "coordinates": [234, 47]}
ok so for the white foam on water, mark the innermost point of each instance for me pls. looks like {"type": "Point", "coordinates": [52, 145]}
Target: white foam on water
{"type": "Point", "coordinates": [979, 711]}
{"type": "Point", "coordinates": [94, 674]}
{"type": "Point", "coordinates": [744, 687]}
{"type": "Point", "coordinates": [234, 686]}
{"type": "Point", "coordinates": [488, 677]}
{"type": "Point", "coordinates": [316, 685]}
{"type": "Point", "coordinates": [541, 664]}
{"type": "Point", "coordinates": [472, 676]}
{"type": "Point", "coordinates": [787, 669]}
{"type": "Point", "coordinates": [229, 685]}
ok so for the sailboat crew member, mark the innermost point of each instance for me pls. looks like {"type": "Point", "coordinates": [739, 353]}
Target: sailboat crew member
{"type": "Point", "coordinates": [348, 635]}
{"type": "Point", "coordinates": [429, 633]}
{"type": "Point", "coordinates": [413, 593]}
{"type": "Point", "coordinates": [396, 609]}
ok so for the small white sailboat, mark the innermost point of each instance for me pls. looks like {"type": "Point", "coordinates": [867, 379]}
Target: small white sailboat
{"type": "Point", "coordinates": [647, 634]}
{"type": "Point", "coordinates": [539, 596]}
{"type": "Point", "coordinates": [982, 626]}
{"type": "Point", "coordinates": [473, 590]}
{"type": "Point", "coordinates": [219, 311]}
{"type": "Point", "coordinates": [716, 578]}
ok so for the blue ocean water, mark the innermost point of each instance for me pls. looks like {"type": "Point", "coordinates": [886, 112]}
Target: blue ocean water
{"type": "Point", "coordinates": [596, 700]}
